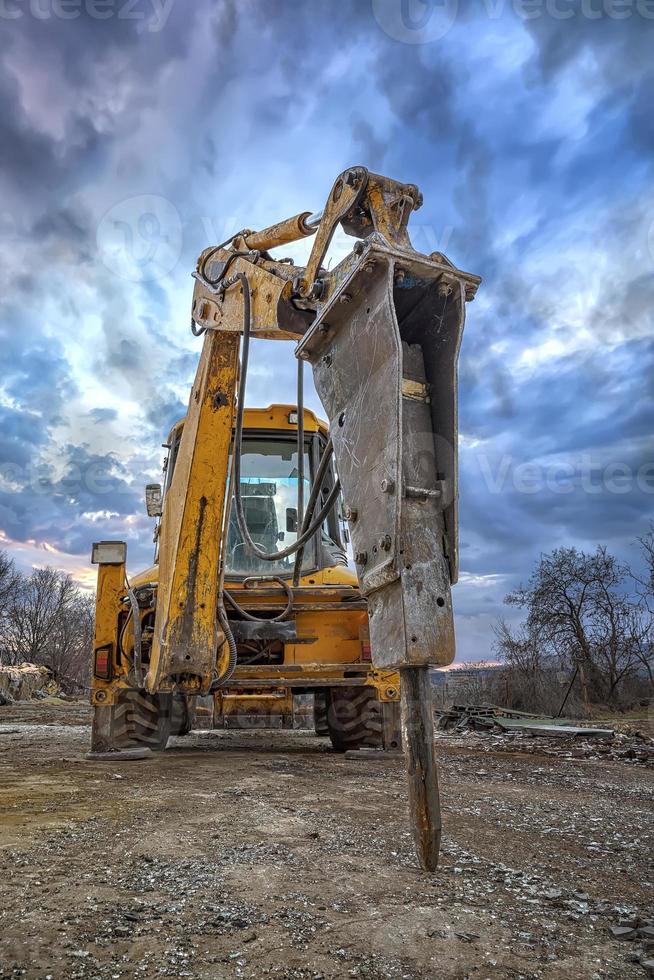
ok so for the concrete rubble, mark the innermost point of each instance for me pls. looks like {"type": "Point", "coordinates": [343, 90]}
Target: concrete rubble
{"type": "Point", "coordinates": [502, 730]}
{"type": "Point", "coordinates": [639, 931]}
{"type": "Point", "coordinates": [22, 682]}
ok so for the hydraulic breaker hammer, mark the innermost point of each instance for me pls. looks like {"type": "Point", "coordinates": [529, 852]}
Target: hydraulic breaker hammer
{"type": "Point", "coordinates": [384, 352]}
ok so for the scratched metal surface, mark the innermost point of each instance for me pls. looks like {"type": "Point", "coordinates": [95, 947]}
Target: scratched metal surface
{"type": "Point", "coordinates": [384, 442]}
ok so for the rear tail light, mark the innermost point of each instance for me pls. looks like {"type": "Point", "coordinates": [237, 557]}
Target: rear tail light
{"type": "Point", "coordinates": [364, 639]}
{"type": "Point", "coordinates": [102, 663]}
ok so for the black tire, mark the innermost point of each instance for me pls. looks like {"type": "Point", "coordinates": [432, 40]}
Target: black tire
{"type": "Point", "coordinates": [320, 724]}
{"type": "Point", "coordinates": [141, 719]}
{"type": "Point", "coordinates": [354, 718]}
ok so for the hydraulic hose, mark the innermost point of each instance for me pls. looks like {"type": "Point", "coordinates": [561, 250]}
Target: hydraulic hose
{"type": "Point", "coordinates": [136, 619]}
{"type": "Point", "coordinates": [231, 643]}
{"type": "Point", "coordinates": [238, 439]}
{"type": "Point", "coordinates": [198, 331]}
{"type": "Point", "coordinates": [223, 619]}
{"type": "Point", "coordinates": [308, 528]}
{"type": "Point", "coordinates": [315, 490]}
{"type": "Point", "coordinates": [300, 442]}
{"type": "Point", "coordinates": [258, 619]}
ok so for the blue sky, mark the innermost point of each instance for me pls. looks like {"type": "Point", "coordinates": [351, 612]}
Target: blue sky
{"type": "Point", "coordinates": [134, 135]}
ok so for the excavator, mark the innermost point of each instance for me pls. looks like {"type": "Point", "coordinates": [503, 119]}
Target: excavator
{"type": "Point", "coordinates": [251, 593]}
{"type": "Point", "coordinates": [319, 648]}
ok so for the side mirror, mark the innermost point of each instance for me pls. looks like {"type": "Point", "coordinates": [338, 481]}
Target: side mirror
{"type": "Point", "coordinates": [154, 499]}
{"type": "Point", "coordinates": [291, 518]}
{"type": "Point", "coordinates": [280, 535]}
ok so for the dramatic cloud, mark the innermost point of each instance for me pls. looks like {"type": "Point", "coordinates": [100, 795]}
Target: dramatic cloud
{"type": "Point", "coordinates": [134, 141]}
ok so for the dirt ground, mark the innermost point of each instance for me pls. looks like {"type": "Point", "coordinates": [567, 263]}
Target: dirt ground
{"type": "Point", "coordinates": [267, 855]}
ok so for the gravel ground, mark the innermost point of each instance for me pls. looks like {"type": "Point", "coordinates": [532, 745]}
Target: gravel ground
{"type": "Point", "coordinates": [267, 855]}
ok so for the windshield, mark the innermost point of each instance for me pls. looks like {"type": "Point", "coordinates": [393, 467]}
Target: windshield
{"type": "Point", "coordinates": [269, 484]}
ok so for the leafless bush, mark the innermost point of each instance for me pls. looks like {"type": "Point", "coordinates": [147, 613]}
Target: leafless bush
{"type": "Point", "coordinates": [46, 619]}
{"type": "Point", "coordinates": [585, 631]}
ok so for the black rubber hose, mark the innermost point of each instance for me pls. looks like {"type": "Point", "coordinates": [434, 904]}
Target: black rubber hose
{"type": "Point", "coordinates": [198, 331]}
{"type": "Point", "coordinates": [238, 439]}
{"type": "Point", "coordinates": [231, 643]}
{"type": "Point", "coordinates": [258, 619]}
{"type": "Point", "coordinates": [300, 442]}
{"type": "Point", "coordinates": [315, 490]}
{"type": "Point", "coordinates": [136, 619]}
{"type": "Point", "coordinates": [308, 530]}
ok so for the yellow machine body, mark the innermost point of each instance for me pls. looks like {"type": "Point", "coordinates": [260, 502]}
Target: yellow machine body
{"type": "Point", "coordinates": [330, 617]}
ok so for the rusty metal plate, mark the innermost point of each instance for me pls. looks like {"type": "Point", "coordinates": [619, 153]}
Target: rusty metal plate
{"type": "Point", "coordinates": [384, 351]}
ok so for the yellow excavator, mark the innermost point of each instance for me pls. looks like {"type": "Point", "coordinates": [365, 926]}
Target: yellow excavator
{"type": "Point", "coordinates": [320, 646]}
{"type": "Point", "coordinates": [251, 596]}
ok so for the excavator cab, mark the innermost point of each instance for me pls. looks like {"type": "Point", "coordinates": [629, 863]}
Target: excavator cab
{"type": "Point", "coordinates": [269, 491]}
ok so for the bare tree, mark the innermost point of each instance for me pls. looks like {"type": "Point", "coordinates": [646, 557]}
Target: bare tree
{"type": "Point", "coordinates": [10, 582]}
{"type": "Point", "coordinates": [645, 588]}
{"type": "Point", "coordinates": [526, 665]}
{"type": "Point", "coordinates": [50, 622]}
{"type": "Point", "coordinates": [580, 615]}
{"type": "Point", "coordinates": [9, 578]}
{"type": "Point", "coordinates": [68, 646]}
{"type": "Point", "coordinates": [647, 547]}
{"type": "Point", "coordinates": [33, 613]}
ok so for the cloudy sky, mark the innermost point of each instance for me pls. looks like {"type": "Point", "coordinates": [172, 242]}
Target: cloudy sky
{"type": "Point", "coordinates": [134, 134]}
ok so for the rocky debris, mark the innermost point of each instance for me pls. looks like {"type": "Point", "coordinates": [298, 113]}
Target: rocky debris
{"type": "Point", "coordinates": [496, 729]}
{"type": "Point", "coordinates": [24, 681]}
{"type": "Point", "coordinates": [488, 717]}
{"type": "Point", "coordinates": [245, 862]}
{"type": "Point", "coordinates": [639, 930]}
